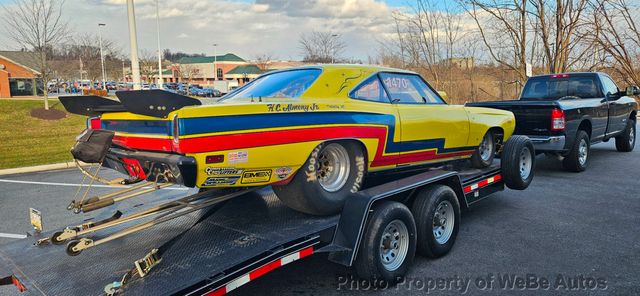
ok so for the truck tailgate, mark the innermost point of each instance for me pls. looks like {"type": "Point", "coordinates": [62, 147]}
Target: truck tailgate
{"type": "Point", "coordinates": [532, 117]}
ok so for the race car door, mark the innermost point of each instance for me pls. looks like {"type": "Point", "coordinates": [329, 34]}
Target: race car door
{"type": "Point", "coordinates": [431, 130]}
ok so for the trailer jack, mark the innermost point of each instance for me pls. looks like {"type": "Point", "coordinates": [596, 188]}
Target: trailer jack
{"type": "Point", "coordinates": [157, 214]}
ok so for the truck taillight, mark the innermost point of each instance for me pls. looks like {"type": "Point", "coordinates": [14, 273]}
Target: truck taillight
{"type": "Point", "coordinates": [560, 76]}
{"type": "Point", "coordinates": [558, 122]}
{"type": "Point", "coordinates": [94, 123]}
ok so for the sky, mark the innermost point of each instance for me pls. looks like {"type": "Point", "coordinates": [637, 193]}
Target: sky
{"type": "Point", "coordinates": [246, 28]}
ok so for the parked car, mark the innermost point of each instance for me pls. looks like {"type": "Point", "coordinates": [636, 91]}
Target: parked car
{"type": "Point", "coordinates": [313, 133]}
{"type": "Point", "coordinates": [564, 114]}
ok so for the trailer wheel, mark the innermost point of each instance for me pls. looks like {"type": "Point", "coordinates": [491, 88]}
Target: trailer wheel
{"type": "Point", "coordinates": [388, 245]}
{"type": "Point", "coordinates": [332, 172]}
{"type": "Point", "coordinates": [485, 152]}
{"type": "Point", "coordinates": [437, 213]}
{"type": "Point", "coordinates": [518, 161]}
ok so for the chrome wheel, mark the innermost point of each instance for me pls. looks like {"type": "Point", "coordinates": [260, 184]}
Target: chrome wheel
{"type": "Point", "coordinates": [526, 161]}
{"type": "Point", "coordinates": [394, 245]}
{"type": "Point", "coordinates": [583, 152]}
{"type": "Point", "coordinates": [333, 167]}
{"type": "Point", "coordinates": [486, 147]}
{"type": "Point", "coordinates": [443, 222]}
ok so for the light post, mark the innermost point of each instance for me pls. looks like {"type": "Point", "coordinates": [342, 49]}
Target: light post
{"type": "Point", "coordinates": [333, 49]}
{"type": "Point", "coordinates": [215, 61]}
{"type": "Point", "coordinates": [133, 40]}
{"type": "Point", "coordinates": [160, 80]}
{"type": "Point", "coordinates": [101, 54]}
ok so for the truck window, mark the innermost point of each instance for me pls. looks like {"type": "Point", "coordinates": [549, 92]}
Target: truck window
{"type": "Point", "coordinates": [557, 86]}
{"type": "Point", "coordinates": [608, 85]}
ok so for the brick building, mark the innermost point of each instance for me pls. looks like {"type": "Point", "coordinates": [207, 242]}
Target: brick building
{"type": "Point", "coordinates": [18, 76]}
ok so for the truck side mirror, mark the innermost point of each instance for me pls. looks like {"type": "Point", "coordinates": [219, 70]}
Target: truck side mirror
{"type": "Point", "coordinates": [633, 91]}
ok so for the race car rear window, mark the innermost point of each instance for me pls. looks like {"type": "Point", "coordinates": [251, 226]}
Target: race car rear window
{"type": "Point", "coordinates": [286, 84]}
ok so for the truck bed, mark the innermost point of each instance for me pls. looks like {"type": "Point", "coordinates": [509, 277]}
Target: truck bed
{"type": "Point", "coordinates": [243, 232]}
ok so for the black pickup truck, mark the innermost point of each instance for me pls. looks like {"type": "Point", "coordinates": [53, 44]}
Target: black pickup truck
{"type": "Point", "coordinates": [564, 114]}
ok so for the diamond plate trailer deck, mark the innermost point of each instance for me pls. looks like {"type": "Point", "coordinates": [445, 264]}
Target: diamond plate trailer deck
{"type": "Point", "coordinates": [246, 238]}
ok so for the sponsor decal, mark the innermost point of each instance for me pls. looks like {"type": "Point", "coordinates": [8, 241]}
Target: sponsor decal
{"type": "Point", "coordinates": [211, 171]}
{"type": "Point", "coordinates": [283, 172]}
{"type": "Point", "coordinates": [256, 176]}
{"type": "Point", "coordinates": [216, 181]}
{"type": "Point", "coordinates": [360, 175]}
{"type": "Point", "coordinates": [292, 107]}
{"type": "Point", "coordinates": [335, 106]}
{"type": "Point", "coordinates": [238, 156]}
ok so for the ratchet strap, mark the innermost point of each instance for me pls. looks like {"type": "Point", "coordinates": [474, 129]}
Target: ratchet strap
{"type": "Point", "coordinates": [12, 280]}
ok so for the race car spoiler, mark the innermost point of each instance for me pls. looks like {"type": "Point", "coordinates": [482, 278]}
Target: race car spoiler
{"type": "Point", "coordinates": [155, 102]}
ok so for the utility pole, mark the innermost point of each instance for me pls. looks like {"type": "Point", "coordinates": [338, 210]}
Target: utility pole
{"type": "Point", "coordinates": [101, 54]}
{"type": "Point", "coordinates": [215, 61]}
{"type": "Point", "coordinates": [160, 80]}
{"type": "Point", "coordinates": [133, 40]}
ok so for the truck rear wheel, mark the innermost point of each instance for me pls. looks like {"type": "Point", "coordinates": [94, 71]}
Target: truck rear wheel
{"type": "Point", "coordinates": [389, 243]}
{"type": "Point", "coordinates": [437, 213]}
{"type": "Point", "coordinates": [578, 157]}
{"type": "Point", "coordinates": [485, 152]}
{"type": "Point", "coordinates": [627, 140]}
{"type": "Point", "coordinates": [518, 161]}
{"type": "Point", "coordinates": [332, 172]}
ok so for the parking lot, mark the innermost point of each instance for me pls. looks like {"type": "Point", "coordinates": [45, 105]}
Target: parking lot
{"type": "Point", "coordinates": [571, 228]}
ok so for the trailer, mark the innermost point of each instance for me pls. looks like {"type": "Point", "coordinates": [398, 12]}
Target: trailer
{"type": "Point", "coordinates": [214, 250]}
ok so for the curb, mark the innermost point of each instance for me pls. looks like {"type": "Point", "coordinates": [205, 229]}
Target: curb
{"type": "Point", "coordinates": [40, 168]}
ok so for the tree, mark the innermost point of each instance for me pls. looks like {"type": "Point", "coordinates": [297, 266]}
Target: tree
{"type": "Point", "coordinates": [263, 60]}
{"type": "Point", "coordinates": [37, 25]}
{"type": "Point", "coordinates": [321, 47]}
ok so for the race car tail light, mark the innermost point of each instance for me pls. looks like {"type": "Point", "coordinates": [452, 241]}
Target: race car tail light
{"type": "Point", "coordinates": [558, 122]}
{"type": "Point", "coordinates": [94, 123]}
{"type": "Point", "coordinates": [134, 168]}
{"type": "Point", "coordinates": [176, 129]}
{"type": "Point", "coordinates": [215, 158]}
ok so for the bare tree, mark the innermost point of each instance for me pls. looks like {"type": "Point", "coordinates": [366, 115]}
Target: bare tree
{"type": "Point", "coordinates": [263, 60]}
{"type": "Point", "coordinates": [616, 30]}
{"type": "Point", "coordinates": [321, 47]}
{"type": "Point", "coordinates": [37, 25]}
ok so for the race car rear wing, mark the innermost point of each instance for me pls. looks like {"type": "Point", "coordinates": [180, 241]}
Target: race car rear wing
{"type": "Point", "coordinates": [156, 103]}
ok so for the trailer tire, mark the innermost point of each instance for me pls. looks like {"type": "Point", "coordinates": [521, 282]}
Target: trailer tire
{"type": "Point", "coordinates": [309, 193]}
{"type": "Point", "coordinates": [485, 152]}
{"type": "Point", "coordinates": [518, 161]}
{"type": "Point", "coordinates": [627, 140]}
{"type": "Point", "coordinates": [390, 235]}
{"type": "Point", "coordinates": [436, 205]}
{"type": "Point", "coordinates": [578, 157]}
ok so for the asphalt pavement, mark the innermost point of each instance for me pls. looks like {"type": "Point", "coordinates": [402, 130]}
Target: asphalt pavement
{"type": "Point", "coordinates": [569, 233]}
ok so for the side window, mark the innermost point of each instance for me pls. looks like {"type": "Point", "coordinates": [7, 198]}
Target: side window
{"type": "Point", "coordinates": [608, 85]}
{"type": "Point", "coordinates": [370, 90]}
{"type": "Point", "coordinates": [409, 89]}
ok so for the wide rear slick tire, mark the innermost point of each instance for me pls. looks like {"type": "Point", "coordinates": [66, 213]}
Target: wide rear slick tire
{"type": "Point", "coordinates": [517, 162]}
{"type": "Point", "coordinates": [627, 140]}
{"type": "Point", "coordinates": [485, 152]}
{"type": "Point", "coordinates": [388, 245]}
{"type": "Point", "coordinates": [437, 213]}
{"type": "Point", "coordinates": [314, 190]}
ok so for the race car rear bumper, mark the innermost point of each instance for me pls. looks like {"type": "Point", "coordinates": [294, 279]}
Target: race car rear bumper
{"type": "Point", "coordinates": [176, 168]}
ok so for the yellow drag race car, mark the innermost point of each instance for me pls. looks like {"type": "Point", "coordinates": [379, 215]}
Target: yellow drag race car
{"type": "Point", "coordinates": [313, 133]}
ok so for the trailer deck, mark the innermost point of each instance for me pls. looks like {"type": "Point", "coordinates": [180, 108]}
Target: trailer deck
{"type": "Point", "coordinates": [247, 237]}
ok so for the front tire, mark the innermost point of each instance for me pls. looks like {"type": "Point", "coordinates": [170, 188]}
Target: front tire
{"type": "Point", "coordinates": [578, 157]}
{"type": "Point", "coordinates": [627, 140]}
{"type": "Point", "coordinates": [388, 245]}
{"type": "Point", "coordinates": [332, 172]}
{"type": "Point", "coordinates": [485, 152]}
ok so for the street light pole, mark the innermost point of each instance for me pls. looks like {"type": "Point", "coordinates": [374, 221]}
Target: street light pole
{"type": "Point", "coordinates": [101, 54]}
{"type": "Point", "coordinates": [215, 61]}
{"type": "Point", "coordinates": [133, 40]}
{"type": "Point", "coordinates": [333, 49]}
{"type": "Point", "coordinates": [160, 80]}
